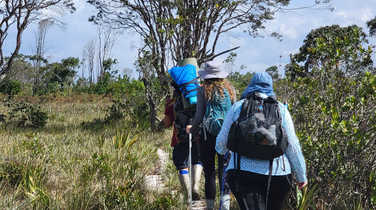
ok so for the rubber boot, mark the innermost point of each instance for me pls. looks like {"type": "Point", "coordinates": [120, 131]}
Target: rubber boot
{"type": "Point", "coordinates": [185, 181]}
{"type": "Point", "coordinates": [225, 202]}
{"type": "Point", "coordinates": [196, 177]}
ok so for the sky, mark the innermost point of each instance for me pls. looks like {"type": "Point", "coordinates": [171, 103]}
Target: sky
{"type": "Point", "coordinates": [256, 54]}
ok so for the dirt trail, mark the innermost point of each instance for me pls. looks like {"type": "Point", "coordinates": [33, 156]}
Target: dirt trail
{"type": "Point", "coordinates": [155, 182]}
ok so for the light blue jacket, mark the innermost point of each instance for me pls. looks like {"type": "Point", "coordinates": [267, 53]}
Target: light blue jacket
{"type": "Point", "coordinates": [291, 161]}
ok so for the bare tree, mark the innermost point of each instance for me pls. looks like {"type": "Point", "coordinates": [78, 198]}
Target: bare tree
{"type": "Point", "coordinates": [177, 29]}
{"type": "Point", "coordinates": [20, 13]}
{"type": "Point", "coordinates": [106, 40]}
{"type": "Point", "coordinates": [41, 38]}
{"type": "Point", "coordinates": [186, 28]}
{"type": "Point", "coordinates": [43, 26]}
{"type": "Point", "coordinates": [89, 52]}
{"type": "Point", "coordinates": [83, 63]}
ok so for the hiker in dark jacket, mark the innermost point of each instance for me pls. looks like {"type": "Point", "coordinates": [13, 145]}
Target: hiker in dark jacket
{"type": "Point", "coordinates": [250, 182]}
{"type": "Point", "coordinates": [178, 117]}
{"type": "Point", "coordinates": [215, 88]}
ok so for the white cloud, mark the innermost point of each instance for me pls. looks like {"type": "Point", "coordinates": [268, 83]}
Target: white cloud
{"type": "Point", "coordinates": [288, 31]}
{"type": "Point", "coordinates": [367, 15]}
{"type": "Point", "coordinates": [356, 14]}
{"type": "Point", "coordinates": [255, 67]}
{"type": "Point", "coordinates": [80, 4]}
{"type": "Point", "coordinates": [235, 41]}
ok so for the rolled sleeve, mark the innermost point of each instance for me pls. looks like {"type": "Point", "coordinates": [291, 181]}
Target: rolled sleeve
{"type": "Point", "coordinates": [221, 142]}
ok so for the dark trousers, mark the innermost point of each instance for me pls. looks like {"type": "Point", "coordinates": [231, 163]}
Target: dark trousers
{"type": "Point", "coordinates": [250, 189]}
{"type": "Point", "coordinates": [180, 154]}
{"type": "Point", "coordinates": [208, 155]}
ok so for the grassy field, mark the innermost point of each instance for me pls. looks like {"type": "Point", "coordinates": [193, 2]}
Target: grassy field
{"type": "Point", "coordinates": [80, 161]}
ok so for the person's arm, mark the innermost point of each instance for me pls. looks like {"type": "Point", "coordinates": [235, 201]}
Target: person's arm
{"type": "Point", "coordinates": [200, 112]}
{"type": "Point", "coordinates": [294, 152]}
{"type": "Point", "coordinates": [168, 119]}
{"type": "Point", "coordinates": [221, 142]}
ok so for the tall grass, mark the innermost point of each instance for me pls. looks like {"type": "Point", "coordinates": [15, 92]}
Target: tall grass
{"type": "Point", "coordinates": [78, 161]}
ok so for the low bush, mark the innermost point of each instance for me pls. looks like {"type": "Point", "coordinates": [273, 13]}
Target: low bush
{"type": "Point", "coordinates": [26, 114]}
{"type": "Point", "coordinates": [10, 87]}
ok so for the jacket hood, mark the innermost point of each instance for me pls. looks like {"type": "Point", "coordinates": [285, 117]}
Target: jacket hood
{"type": "Point", "coordinates": [260, 82]}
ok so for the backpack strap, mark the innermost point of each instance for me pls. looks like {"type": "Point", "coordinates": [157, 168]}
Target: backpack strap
{"type": "Point", "coordinates": [190, 82]}
{"type": "Point", "coordinates": [184, 86]}
{"type": "Point", "coordinates": [269, 180]}
{"type": "Point", "coordinates": [237, 169]}
{"type": "Point", "coordinates": [243, 113]}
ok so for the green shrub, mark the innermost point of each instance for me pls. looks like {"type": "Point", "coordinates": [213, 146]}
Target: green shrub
{"type": "Point", "coordinates": [98, 167]}
{"type": "Point", "coordinates": [117, 110]}
{"type": "Point", "coordinates": [10, 87]}
{"type": "Point", "coordinates": [11, 172]}
{"type": "Point", "coordinates": [26, 114]}
{"type": "Point", "coordinates": [335, 119]}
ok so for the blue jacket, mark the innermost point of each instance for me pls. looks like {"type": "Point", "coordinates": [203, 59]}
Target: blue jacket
{"type": "Point", "coordinates": [291, 161]}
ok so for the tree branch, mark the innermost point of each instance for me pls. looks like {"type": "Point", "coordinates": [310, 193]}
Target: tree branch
{"type": "Point", "coordinates": [216, 55]}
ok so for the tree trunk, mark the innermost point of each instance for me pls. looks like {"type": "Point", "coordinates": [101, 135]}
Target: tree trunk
{"type": "Point", "coordinates": [151, 103]}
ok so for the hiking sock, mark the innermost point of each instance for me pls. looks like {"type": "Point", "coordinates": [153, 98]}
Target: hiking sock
{"type": "Point", "coordinates": [196, 177]}
{"type": "Point", "coordinates": [209, 204]}
{"type": "Point", "coordinates": [225, 202]}
{"type": "Point", "coordinates": [184, 181]}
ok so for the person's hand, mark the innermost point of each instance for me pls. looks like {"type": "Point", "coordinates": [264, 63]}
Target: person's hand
{"type": "Point", "coordinates": [188, 128]}
{"type": "Point", "coordinates": [301, 185]}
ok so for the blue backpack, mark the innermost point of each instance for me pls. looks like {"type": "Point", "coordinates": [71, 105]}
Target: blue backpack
{"type": "Point", "coordinates": [186, 79]}
{"type": "Point", "coordinates": [215, 113]}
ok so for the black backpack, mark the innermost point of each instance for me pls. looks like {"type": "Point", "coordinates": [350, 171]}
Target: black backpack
{"type": "Point", "coordinates": [183, 116]}
{"type": "Point", "coordinates": [258, 132]}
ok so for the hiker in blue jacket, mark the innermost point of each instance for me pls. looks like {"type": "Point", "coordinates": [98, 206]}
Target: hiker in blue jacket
{"type": "Point", "coordinates": [214, 99]}
{"type": "Point", "coordinates": [250, 182]}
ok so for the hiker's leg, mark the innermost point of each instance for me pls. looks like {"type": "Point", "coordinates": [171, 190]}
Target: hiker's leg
{"type": "Point", "coordinates": [180, 158]}
{"type": "Point", "coordinates": [196, 177]}
{"type": "Point", "coordinates": [208, 160]}
{"type": "Point", "coordinates": [209, 204]}
{"type": "Point", "coordinates": [248, 189]}
{"type": "Point", "coordinates": [279, 189]}
{"type": "Point", "coordinates": [196, 170]}
{"type": "Point", "coordinates": [225, 202]}
{"type": "Point", "coordinates": [234, 183]}
{"type": "Point", "coordinates": [184, 180]}
{"type": "Point", "coordinates": [180, 155]}
{"type": "Point", "coordinates": [223, 185]}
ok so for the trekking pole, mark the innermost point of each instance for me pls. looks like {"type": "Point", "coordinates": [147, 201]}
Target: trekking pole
{"type": "Point", "coordinates": [190, 172]}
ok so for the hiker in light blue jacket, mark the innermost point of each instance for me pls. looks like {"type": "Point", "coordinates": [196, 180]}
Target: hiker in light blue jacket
{"type": "Point", "coordinates": [249, 184]}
